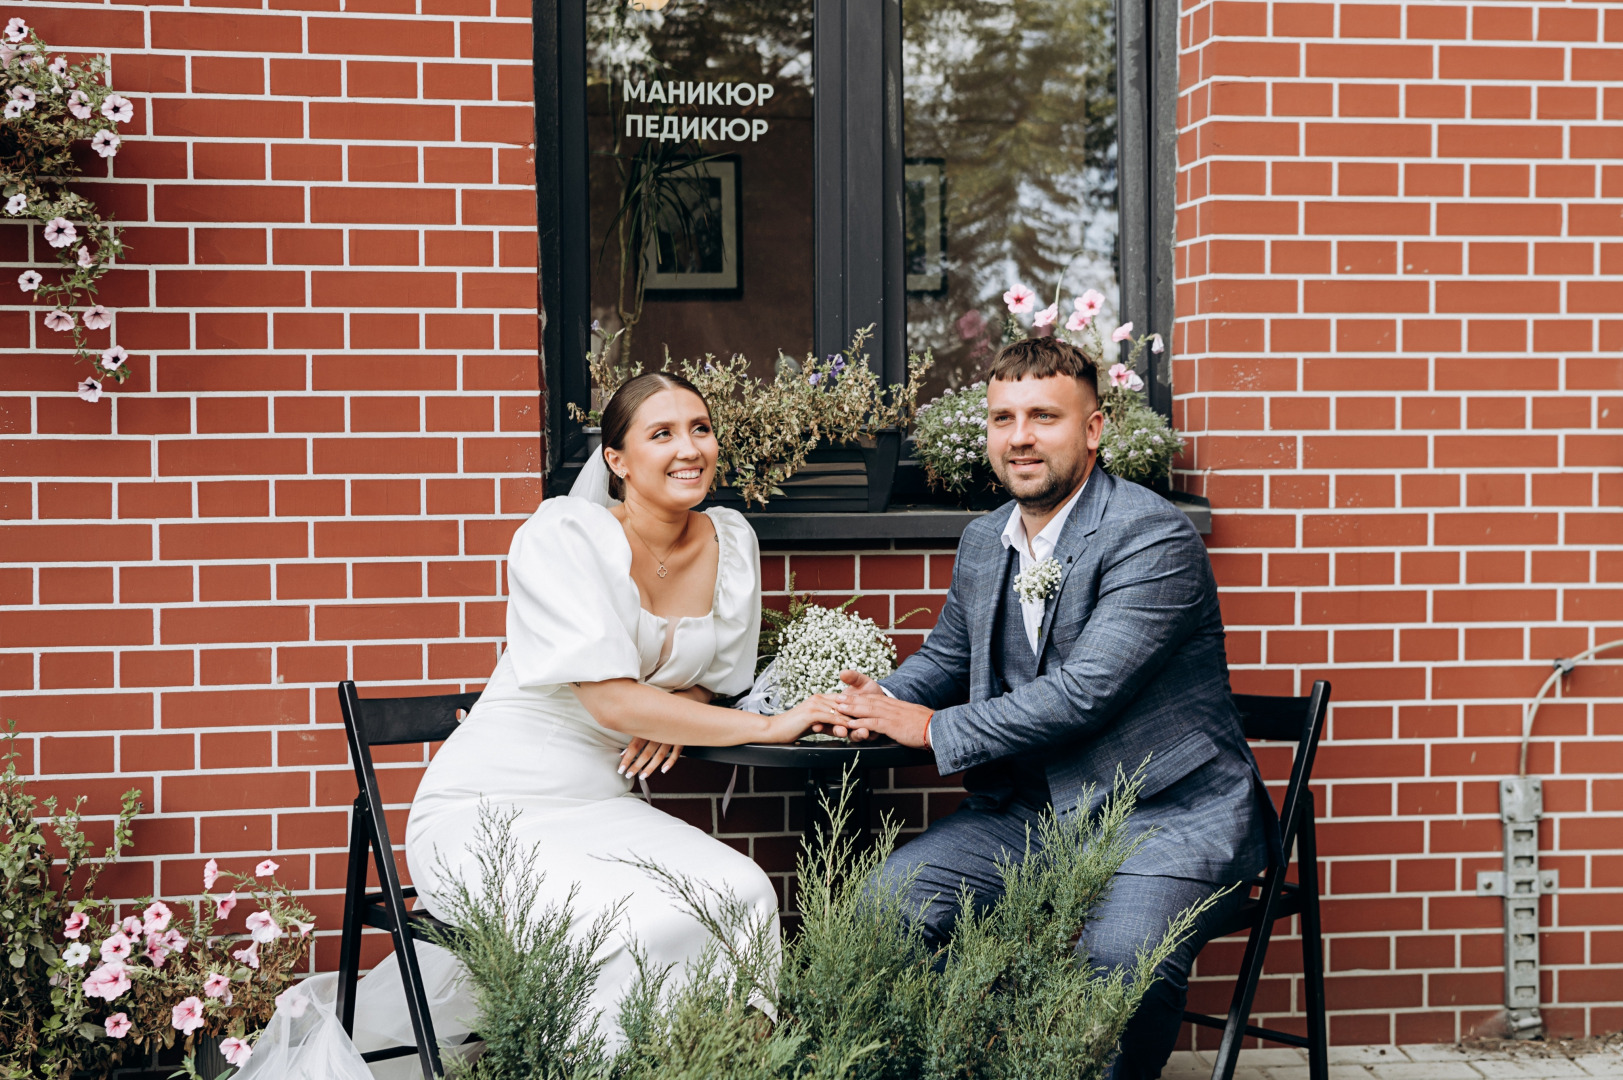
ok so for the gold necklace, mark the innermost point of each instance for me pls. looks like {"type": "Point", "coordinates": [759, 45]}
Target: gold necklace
{"type": "Point", "coordinates": [662, 572]}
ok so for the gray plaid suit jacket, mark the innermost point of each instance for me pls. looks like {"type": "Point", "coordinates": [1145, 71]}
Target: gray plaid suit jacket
{"type": "Point", "coordinates": [1131, 666]}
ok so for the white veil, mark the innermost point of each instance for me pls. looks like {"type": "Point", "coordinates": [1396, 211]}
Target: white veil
{"type": "Point", "coordinates": [593, 481]}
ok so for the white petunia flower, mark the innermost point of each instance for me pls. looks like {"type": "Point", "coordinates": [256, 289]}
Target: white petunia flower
{"type": "Point", "coordinates": [118, 109]}
{"type": "Point", "coordinates": [12, 110]}
{"type": "Point", "coordinates": [16, 204]}
{"type": "Point", "coordinates": [105, 143]}
{"type": "Point", "coordinates": [76, 954]}
{"type": "Point", "coordinates": [24, 96]}
{"type": "Point", "coordinates": [98, 318]}
{"type": "Point", "coordinates": [16, 31]}
{"type": "Point", "coordinates": [59, 320]}
{"type": "Point", "coordinates": [29, 280]}
{"type": "Point", "coordinates": [90, 390]}
{"type": "Point", "coordinates": [114, 357]}
{"type": "Point", "coordinates": [79, 105]}
{"type": "Point", "coordinates": [59, 232]}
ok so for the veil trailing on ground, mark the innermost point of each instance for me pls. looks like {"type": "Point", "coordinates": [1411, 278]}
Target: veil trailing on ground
{"type": "Point", "coordinates": [593, 481]}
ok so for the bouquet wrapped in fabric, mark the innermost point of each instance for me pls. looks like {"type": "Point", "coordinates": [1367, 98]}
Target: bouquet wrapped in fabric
{"type": "Point", "coordinates": [808, 646]}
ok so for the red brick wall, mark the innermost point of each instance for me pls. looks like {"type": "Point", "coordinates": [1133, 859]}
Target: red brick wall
{"type": "Point", "coordinates": [1400, 282]}
{"type": "Point", "coordinates": [331, 304]}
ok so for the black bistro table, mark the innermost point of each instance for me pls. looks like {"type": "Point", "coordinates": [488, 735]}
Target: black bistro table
{"type": "Point", "coordinates": [827, 765]}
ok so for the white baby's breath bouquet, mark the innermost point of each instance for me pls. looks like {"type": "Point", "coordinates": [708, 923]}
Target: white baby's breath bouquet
{"type": "Point", "coordinates": [823, 642]}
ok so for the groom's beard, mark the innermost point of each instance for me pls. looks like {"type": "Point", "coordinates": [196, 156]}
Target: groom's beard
{"type": "Point", "coordinates": [1057, 483]}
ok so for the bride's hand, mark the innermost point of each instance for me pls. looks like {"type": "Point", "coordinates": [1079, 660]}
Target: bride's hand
{"type": "Point", "coordinates": [643, 756]}
{"type": "Point", "coordinates": [791, 725]}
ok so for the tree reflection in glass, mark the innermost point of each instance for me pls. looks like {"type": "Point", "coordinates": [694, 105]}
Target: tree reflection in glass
{"type": "Point", "coordinates": [701, 241]}
{"type": "Point", "coordinates": [1010, 111]}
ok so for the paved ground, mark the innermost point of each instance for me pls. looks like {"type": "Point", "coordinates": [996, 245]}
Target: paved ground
{"type": "Point", "coordinates": [1445, 1062]}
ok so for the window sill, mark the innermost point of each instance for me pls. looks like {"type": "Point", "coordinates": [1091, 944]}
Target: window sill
{"type": "Point", "coordinates": [902, 522]}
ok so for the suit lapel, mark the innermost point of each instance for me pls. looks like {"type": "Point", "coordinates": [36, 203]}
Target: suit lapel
{"type": "Point", "coordinates": [1073, 541]}
{"type": "Point", "coordinates": [983, 608]}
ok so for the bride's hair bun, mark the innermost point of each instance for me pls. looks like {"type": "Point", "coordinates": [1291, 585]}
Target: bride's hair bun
{"type": "Point", "coordinates": [622, 409]}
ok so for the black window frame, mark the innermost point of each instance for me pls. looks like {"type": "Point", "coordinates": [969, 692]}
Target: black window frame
{"type": "Point", "coordinates": [857, 190]}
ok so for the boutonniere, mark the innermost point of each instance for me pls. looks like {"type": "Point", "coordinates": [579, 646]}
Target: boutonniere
{"type": "Point", "coordinates": [1038, 582]}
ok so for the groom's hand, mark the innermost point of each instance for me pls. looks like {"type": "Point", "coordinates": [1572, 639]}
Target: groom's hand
{"type": "Point", "coordinates": [872, 711]}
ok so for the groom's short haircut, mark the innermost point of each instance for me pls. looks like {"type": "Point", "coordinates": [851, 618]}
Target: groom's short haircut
{"type": "Point", "coordinates": [1042, 358]}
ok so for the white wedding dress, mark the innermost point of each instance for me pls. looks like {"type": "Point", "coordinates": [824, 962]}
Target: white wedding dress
{"type": "Point", "coordinates": [529, 747]}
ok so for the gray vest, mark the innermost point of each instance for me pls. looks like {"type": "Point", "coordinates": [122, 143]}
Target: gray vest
{"type": "Point", "coordinates": [1025, 776]}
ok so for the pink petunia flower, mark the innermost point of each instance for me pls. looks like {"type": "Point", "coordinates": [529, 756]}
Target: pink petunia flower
{"type": "Point", "coordinates": [155, 951]}
{"type": "Point", "coordinates": [107, 982]}
{"type": "Point", "coordinates": [1046, 316]}
{"type": "Point", "coordinates": [1020, 299]}
{"type": "Point", "coordinates": [29, 280]}
{"type": "Point", "coordinates": [79, 105]}
{"type": "Point", "coordinates": [16, 31]}
{"type": "Point", "coordinates": [249, 956]}
{"type": "Point", "coordinates": [211, 869]}
{"type": "Point", "coordinates": [155, 919]}
{"type": "Point", "coordinates": [116, 947]}
{"type": "Point", "coordinates": [12, 110]}
{"type": "Point", "coordinates": [16, 204]}
{"type": "Point", "coordinates": [187, 1017]}
{"type": "Point", "coordinates": [90, 390]}
{"type": "Point", "coordinates": [1123, 332]}
{"type": "Point", "coordinates": [118, 1026]}
{"type": "Point", "coordinates": [235, 1051]}
{"type": "Point", "coordinates": [263, 927]}
{"type": "Point", "coordinates": [6, 53]}
{"type": "Point", "coordinates": [59, 232]}
{"type": "Point", "coordinates": [131, 925]}
{"type": "Point", "coordinates": [294, 1001]}
{"type": "Point", "coordinates": [1118, 374]}
{"type": "Point", "coordinates": [1077, 322]}
{"type": "Point", "coordinates": [98, 318]}
{"type": "Point", "coordinates": [113, 358]}
{"type": "Point", "coordinates": [1090, 303]}
{"type": "Point", "coordinates": [105, 143]}
{"type": "Point", "coordinates": [1156, 344]}
{"type": "Point", "coordinates": [25, 97]}
{"type": "Point", "coordinates": [59, 66]}
{"type": "Point", "coordinates": [217, 985]}
{"type": "Point", "coordinates": [118, 108]}
{"type": "Point", "coordinates": [74, 925]}
{"type": "Point", "coordinates": [223, 905]}
{"type": "Point", "coordinates": [1134, 383]}
{"type": "Point", "coordinates": [266, 869]}
{"type": "Point", "coordinates": [85, 259]}
{"type": "Point", "coordinates": [174, 940]}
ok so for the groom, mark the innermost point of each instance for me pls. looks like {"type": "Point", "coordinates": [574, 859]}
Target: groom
{"type": "Point", "coordinates": [1034, 698]}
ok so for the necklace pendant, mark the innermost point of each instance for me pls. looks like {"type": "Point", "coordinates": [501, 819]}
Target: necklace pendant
{"type": "Point", "coordinates": [661, 571]}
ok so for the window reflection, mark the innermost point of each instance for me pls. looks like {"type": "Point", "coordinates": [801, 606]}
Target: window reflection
{"type": "Point", "coordinates": [1010, 137]}
{"type": "Point", "coordinates": [699, 124]}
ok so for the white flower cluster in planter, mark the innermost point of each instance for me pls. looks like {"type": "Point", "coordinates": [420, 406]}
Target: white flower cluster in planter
{"type": "Point", "coordinates": [823, 642]}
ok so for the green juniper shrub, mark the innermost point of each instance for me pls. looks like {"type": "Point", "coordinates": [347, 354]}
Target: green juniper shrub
{"type": "Point", "coordinates": [855, 995]}
{"type": "Point", "coordinates": [532, 978]}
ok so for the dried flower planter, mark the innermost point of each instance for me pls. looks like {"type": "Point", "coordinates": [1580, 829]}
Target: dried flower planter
{"type": "Point", "coordinates": [848, 479]}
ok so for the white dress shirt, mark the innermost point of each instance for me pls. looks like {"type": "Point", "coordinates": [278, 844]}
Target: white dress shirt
{"type": "Point", "coordinates": [1035, 551]}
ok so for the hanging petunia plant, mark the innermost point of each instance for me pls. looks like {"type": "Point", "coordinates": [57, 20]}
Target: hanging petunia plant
{"type": "Point", "coordinates": [50, 106]}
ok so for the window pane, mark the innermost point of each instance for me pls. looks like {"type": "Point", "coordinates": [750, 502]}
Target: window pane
{"type": "Point", "coordinates": [699, 122]}
{"type": "Point", "coordinates": [1010, 137]}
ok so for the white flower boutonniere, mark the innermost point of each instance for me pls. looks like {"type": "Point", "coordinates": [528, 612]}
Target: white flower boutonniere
{"type": "Point", "coordinates": [1039, 582]}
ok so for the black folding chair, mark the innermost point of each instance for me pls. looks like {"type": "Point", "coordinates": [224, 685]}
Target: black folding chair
{"type": "Point", "coordinates": [1299, 720]}
{"type": "Point", "coordinates": [373, 722]}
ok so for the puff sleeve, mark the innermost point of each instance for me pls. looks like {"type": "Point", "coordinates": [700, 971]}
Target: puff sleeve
{"type": "Point", "coordinates": [572, 609]}
{"type": "Point", "coordinates": [737, 606]}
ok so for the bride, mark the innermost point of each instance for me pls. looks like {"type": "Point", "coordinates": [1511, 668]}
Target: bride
{"type": "Point", "coordinates": [628, 611]}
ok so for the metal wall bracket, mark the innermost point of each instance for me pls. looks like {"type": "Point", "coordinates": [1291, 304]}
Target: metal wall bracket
{"type": "Point", "coordinates": [1520, 883]}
